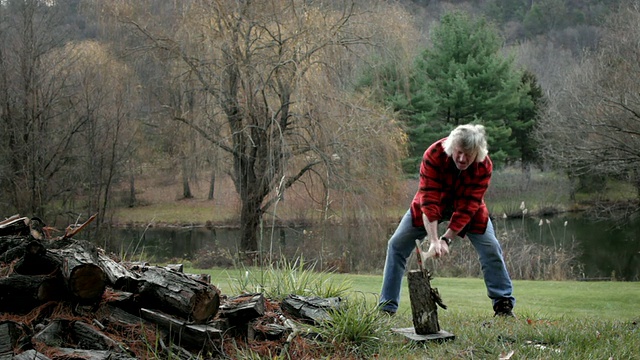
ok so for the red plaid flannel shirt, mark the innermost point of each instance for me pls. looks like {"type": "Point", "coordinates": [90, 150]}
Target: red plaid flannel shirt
{"type": "Point", "coordinates": [447, 193]}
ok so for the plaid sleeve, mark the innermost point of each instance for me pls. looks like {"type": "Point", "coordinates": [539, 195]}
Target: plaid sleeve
{"type": "Point", "coordinates": [431, 183]}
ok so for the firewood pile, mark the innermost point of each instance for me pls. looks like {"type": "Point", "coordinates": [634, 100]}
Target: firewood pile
{"type": "Point", "coordinates": [65, 298]}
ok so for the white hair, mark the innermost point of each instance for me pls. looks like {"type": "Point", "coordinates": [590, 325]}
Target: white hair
{"type": "Point", "coordinates": [470, 138]}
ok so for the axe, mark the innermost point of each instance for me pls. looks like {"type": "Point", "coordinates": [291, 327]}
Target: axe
{"type": "Point", "coordinates": [422, 258]}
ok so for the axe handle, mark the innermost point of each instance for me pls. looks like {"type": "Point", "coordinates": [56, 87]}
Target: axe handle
{"type": "Point", "coordinates": [419, 253]}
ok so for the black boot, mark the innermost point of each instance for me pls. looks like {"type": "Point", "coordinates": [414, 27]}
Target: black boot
{"type": "Point", "coordinates": [503, 307]}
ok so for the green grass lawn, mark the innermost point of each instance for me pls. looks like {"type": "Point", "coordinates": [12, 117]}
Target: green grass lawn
{"type": "Point", "coordinates": [556, 319]}
{"type": "Point", "coordinates": [537, 299]}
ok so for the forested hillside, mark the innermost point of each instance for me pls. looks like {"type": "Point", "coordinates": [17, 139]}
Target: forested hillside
{"type": "Point", "coordinates": [322, 101]}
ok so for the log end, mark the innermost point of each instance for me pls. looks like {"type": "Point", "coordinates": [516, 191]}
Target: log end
{"type": "Point", "coordinates": [205, 305]}
{"type": "Point", "coordinates": [87, 282]}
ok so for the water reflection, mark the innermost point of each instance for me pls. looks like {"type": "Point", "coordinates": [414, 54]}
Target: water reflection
{"type": "Point", "coordinates": [604, 251]}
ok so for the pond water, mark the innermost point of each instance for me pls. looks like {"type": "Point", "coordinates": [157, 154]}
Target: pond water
{"type": "Point", "coordinates": [604, 251]}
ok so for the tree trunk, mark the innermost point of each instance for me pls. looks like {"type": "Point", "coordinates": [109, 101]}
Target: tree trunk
{"type": "Point", "coordinates": [250, 216]}
{"type": "Point", "coordinates": [186, 189]}
{"type": "Point", "coordinates": [212, 184]}
{"type": "Point", "coordinates": [132, 191]}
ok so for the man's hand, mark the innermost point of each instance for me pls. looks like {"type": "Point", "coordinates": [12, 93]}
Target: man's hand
{"type": "Point", "coordinates": [438, 248]}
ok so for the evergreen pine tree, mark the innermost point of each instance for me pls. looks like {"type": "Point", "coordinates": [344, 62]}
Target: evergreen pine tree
{"type": "Point", "coordinates": [464, 78]}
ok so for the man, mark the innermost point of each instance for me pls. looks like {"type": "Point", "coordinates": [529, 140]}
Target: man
{"type": "Point", "coordinates": [454, 176]}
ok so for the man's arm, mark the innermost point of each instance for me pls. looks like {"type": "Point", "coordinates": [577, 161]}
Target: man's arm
{"type": "Point", "coordinates": [437, 246]}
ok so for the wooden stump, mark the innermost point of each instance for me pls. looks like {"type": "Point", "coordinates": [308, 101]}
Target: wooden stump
{"type": "Point", "coordinates": [423, 306]}
{"type": "Point", "coordinates": [424, 309]}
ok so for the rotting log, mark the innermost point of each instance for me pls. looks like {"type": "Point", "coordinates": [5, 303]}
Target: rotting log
{"type": "Point", "coordinates": [37, 261]}
{"type": "Point", "coordinates": [243, 308]}
{"type": "Point", "coordinates": [15, 247]}
{"type": "Point", "coordinates": [177, 294]}
{"type": "Point", "coordinates": [22, 293]}
{"type": "Point", "coordinates": [30, 355]}
{"type": "Point", "coordinates": [196, 336]}
{"type": "Point", "coordinates": [87, 337]}
{"type": "Point", "coordinates": [70, 353]}
{"type": "Point", "coordinates": [53, 333]}
{"type": "Point", "coordinates": [85, 279]}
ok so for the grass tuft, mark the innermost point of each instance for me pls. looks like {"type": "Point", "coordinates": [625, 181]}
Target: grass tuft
{"type": "Point", "coordinates": [355, 329]}
{"type": "Point", "coordinates": [285, 277]}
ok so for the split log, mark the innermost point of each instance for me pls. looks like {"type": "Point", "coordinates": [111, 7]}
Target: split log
{"type": "Point", "coordinates": [30, 355]}
{"type": "Point", "coordinates": [69, 353]}
{"type": "Point", "coordinates": [310, 309]}
{"type": "Point", "coordinates": [178, 294]}
{"type": "Point", "coordinates": [243, 308]}
{"type": "Point", "coordinates": [52, 334]}
{"type": "Point", "coordinates": [120, 299]}
{"type": "Point", "coordinates": [175, 267]}
{"type": "Point", "coordinates": [87, 337]}
{"type": "Point", "coordinates": [12, 336]}
{"type": "Point", "coordinates": [270, 331]}
{"type": "Point", "coordinates": [121, 319]}
{"type": "Point", "coordinates": [423, 306]}
{"type": "Point", "coordinates": [22, 293]}
{"type": "Point", "coordinates": [205, 278]}
{"type": "Point", "coordinates": [185, 335]}
{"type": "Point", "coordinates": [85, 279]}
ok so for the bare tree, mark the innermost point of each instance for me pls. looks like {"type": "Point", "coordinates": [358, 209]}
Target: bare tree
{"type": "Point", "coordinates": [103, 95]}
{"type": "Point", "coordinates": [270, 98]}
{"type": "Point", "coordinates": [36, 136]}
{"type": "Point", "coordinates": [592, 125]}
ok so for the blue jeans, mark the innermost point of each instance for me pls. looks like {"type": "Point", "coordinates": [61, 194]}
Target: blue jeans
{"type": "Point", "coordinates": [402, 244]}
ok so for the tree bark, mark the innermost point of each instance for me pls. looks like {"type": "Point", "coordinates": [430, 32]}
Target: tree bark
{"type": "Point", "coordinates": [250, 216]}
{"type": "Point", "coordinates": [186, 189]}
{"type": "Point", "coordinates": [212, 184]}
{"type": "Point", "coordinates": [132, 191]}
{"type": "Point", "coordinates": [117, 276]}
